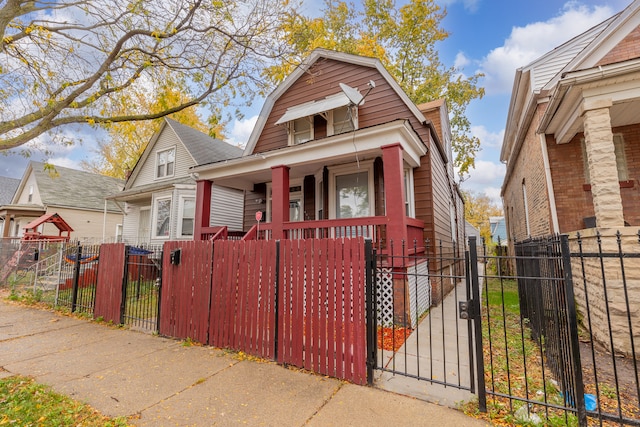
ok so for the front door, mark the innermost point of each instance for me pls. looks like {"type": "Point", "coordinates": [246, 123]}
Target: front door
{"type": "Point", "coordinates": [144, 225]}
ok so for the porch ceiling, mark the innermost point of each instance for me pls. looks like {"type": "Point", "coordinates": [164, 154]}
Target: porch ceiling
{"type": "Point", "coordinates": [309, 158]}
{"type": "Point", "coordinates": [563, 117]}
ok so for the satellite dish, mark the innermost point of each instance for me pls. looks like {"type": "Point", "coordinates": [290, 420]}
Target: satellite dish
{"type": "Point", "coordinates": [354, 96]}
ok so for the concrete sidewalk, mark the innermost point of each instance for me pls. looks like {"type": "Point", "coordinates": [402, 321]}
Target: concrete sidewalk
{"type": "Point", "coordinates": [159, 382]}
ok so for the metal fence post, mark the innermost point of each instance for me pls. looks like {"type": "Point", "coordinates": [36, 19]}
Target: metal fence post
{"type": "Point", "coordinates": [76, 278]}
{"type": "Point", "coordinates": [159, 284]}
{"type": "Point", "coordinates": [125, 281]}
{"type": "Point", "coordinates": [573, 330]}
{"type": "Point", "coordinates": [477, 321]}
{"type": "Point", "coordinates": [370, 309]}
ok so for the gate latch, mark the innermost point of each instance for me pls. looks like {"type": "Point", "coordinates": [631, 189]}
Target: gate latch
{"type": "Point", "coordinates": [465, 310]}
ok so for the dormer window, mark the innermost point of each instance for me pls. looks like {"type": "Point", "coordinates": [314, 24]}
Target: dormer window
{"type": "Point", "coordinates": [165, 163]}
{"type": "Point", "coordinates": [301, 130]}
{"type": "Point", "coordinates": [339, 112]}
{"type": "Point", "coordinates": [342, 120]}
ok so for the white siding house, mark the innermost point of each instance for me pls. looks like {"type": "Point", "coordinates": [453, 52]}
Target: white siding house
{"type": "Point", "coordinates": [158, 199]}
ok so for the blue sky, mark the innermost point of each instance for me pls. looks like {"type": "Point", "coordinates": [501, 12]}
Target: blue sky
{"type": "Point", "coordinates": [491, 36]}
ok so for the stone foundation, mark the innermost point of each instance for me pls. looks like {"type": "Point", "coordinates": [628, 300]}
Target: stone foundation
{"type": "Point", "coordinates": [599, 285]}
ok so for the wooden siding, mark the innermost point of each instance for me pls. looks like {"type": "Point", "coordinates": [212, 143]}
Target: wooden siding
{"type": "Point", "coordinates": [131, 222]}
{"type": "Point", "coordinates": [227, 205]}
{"type": "Point", "coordinates": [382, 105]}
{"type": "Point", "coordinates": [251, 205]}
{"type": "Point", "coordinates": [23, 197]}
{"type": "Point", "coordinates": [183, 162]}
{"type": "Point", "coordinates": [85, 224]}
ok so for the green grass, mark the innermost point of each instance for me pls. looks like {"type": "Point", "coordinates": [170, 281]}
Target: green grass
{"type": "Point", "coordinates": [509, 351]}
{"type": "Point", "coordinates": [23, 402]}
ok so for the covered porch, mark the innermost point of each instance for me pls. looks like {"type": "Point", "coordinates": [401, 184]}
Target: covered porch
{"type": "Point", "coordinates": [348, 185]}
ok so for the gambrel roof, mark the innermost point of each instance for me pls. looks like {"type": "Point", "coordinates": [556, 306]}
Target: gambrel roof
{"type": "Point", "coordinates": [301, 71]}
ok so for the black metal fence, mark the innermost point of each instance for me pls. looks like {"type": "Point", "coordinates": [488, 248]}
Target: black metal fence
{"type": "Point", "coordinates": [561, 328]}
{"type": "Point", "coordinates": [141, 287]}
{"type": "Point", "coordinates": [77, 279]}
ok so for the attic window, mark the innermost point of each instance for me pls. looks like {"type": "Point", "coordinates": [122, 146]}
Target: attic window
{"type": "Point", "coordinates": [336, 109]}
{"type": "Point", "coordinates": [165, 163]}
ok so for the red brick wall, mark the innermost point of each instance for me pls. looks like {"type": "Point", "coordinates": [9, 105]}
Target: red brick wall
{"type": "Point", "coordinates": [573, 196]}
{"type": "Point", "coordinates": [528, 166]}
{"type": "Point", "coordinates": [628, 48]}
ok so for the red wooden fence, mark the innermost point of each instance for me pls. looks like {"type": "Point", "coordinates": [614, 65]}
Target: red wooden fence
{"type": "Point", "coordinates": [242, 309]}
{"type": "Point", "coordinates": [322, 307]}
{"type": "Point", "coordinates": [223, 293]}
{"type": "Point", "coordinates": [186, 290]}
{"type": "Point", "coordinates": [109, 284]}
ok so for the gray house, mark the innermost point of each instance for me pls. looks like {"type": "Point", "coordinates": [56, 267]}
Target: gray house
{"type": "Point", "coordinates": [77, 196]}
{"type": "Point", "coordinates": [159, 196]}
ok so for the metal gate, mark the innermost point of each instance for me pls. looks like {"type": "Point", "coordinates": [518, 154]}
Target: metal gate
{"type": "Point", "coordinates": [76, 277]}
{"type": "Point", "coordinates": [141, 284]}
{"type": "Point", "coordinates": [425, 320]}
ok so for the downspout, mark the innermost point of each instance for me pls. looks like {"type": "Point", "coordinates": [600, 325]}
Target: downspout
{"type": "Point", "coordinates": [104, 221]}
{"type": "Point", "coordinates": [550, 191]}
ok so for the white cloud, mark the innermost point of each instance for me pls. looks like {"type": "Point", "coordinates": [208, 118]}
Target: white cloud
{"type": "Point", "coordinates": [487, 138]}
{"type": "Point", "coordinates": [469, 5]}
{"type": "Point", "coordinates": [65, 162]}
{"type": "Point", "coordinates": [486, 178]}
{"type": "Point", "coordinates": [461, 61]}
{"type": "Point", "coordinates": [525, 44]}
{"type": "Point", "coordinates": [241, 131]}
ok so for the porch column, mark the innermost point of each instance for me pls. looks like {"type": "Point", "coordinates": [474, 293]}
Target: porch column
{"type": "Point", "coordinates": [279, 200]}
{"type": "Point", "coordinates": [203, 207]}
{"type": "Point", "coordinates": [601, 157]}
{"type": "Point", "coordinates": [393, 168]}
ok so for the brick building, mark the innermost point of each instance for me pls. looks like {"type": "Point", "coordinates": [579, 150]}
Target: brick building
{"type": "Point", "coordinates": [571, 143]}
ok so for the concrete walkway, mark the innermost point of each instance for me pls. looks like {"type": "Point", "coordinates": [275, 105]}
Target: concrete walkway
{"type": "Point", "coordinates": [437, 350]}
{"type": "Point", "coordinates": [159, 382]}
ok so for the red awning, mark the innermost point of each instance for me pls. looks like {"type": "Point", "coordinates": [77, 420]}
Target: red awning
{"type": "Point", "coordinates": [52, 218]}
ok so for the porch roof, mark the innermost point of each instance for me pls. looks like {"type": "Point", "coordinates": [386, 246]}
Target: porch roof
{"type": "Point", "coordinates": [308, 158]}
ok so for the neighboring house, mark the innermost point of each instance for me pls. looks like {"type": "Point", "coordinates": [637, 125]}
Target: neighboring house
{"type": "Point", "coordinates": [498, 230]}
{"type": "Point", "coordinates": [158, 199]}
{"type": "Point", "coordinates": [572, 150]}
{"type": "Point", "coordinates": [471, 231]}
{"type": "Point", "coordinates": [572, 139]}
{"type": "Point", "coordinates": [8, 188]}
{"type": "Point", "coordinates": [76, 196]}
{"type": "Point", "coordinates": [339, 150]}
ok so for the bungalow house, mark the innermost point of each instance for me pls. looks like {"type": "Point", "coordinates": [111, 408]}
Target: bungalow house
{"type": "Point", "coordinates": [158, 199]}
{"type": "Point", "coordinates": [572, 151]}
{"type": "Point", "coordinates": [571, 142]}
{"type": "Point", "coordinates": [340, 150]}
{"type": "Point", "coordinates": [76, 196]}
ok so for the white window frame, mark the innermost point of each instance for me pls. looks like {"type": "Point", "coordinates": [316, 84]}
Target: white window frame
{"type": "Point", "coordinates": [292, 183]}
{"type": "Point", "coordinates": [291, 129]}
{"type": "Point", "coordinates": [159, 153]}
{"type": "Point", "coordinates": [621, 158]}
{"type": "Point", "coordinates": [181, 202]}
{"type": "Point", "coordinates": [30, 197]}
{"type": "Point", "coordinates": [526, 208]}
{"type": "Point", "coordinates": [319, 194]}
{"type": "Point", "coordinates": [154, 222]}
{"type": "Point", "coordinates": [352, 168]}
{"type": "Point", "coordinates": [331, 124]}
{"type": "Point", "coordinates": [409, 193]}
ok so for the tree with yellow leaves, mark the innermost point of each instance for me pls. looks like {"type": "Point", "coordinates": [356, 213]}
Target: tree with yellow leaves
{"type": "Point", "coordinates": [404, 39]}
{"type": "Point", "coordinates": [70, 62]}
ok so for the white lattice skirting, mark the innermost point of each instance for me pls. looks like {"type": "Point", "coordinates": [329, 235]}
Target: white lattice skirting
{"type": "Point", "coordinates": [417, 279]}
